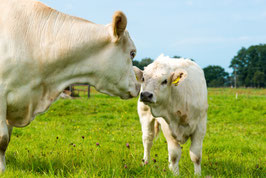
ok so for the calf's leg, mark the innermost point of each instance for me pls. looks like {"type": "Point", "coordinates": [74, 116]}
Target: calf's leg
{"type": "Point", "coordinates": [174, 149]}
{"type": "Point", "coordinates": [196, 146]}
{"type": "Point", "coordinates": [147, 126]}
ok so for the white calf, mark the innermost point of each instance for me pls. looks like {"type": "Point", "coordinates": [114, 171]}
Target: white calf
{"type": "Point", "coordinates": [174, 94]}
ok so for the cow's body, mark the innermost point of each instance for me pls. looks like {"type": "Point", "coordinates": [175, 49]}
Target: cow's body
{"type": "Point", "coordinates": [42, 51]}
{"type": "Point", "coordinates": [180, 108]}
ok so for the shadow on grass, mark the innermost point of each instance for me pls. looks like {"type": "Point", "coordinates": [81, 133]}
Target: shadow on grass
{"type": "Point", "coordinates": [40, 165]}
{"type": "Point", "coordinates": [58, 167]}
{"type": "Point", "coordinates": [230, 168]}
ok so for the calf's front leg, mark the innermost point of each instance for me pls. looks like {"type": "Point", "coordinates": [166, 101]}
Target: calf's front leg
{"type": "Point", "coordinates": [147, 126]}
{"type": "Point", "coordinates": [174, 149]}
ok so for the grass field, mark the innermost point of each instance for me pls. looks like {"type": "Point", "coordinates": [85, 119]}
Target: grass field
{"type": "Point", "coordinates": [63, 141]}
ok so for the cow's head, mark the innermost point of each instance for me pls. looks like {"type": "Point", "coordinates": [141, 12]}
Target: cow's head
{"type": "Point", "coordinates": [117, 74]}
{"type": "Point", "coordinates": [158, 80]}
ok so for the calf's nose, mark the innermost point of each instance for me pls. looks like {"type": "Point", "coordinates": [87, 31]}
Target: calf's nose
{"type": "Point", "coordinates": [146, 96]}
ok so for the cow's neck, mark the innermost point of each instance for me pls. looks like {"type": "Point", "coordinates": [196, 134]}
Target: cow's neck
{"type": "Point", "coordinates": [72, 58]}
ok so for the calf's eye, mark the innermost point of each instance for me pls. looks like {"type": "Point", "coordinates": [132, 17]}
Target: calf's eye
{"type": "Point", "coordinates": [142, 79]}
{"type": "Point", "coordinates": [132, 54]}
{"type": "Point", "coordinates": [164, 82]}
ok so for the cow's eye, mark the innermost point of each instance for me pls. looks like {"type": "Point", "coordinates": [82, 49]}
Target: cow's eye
{"type": "Point", "coordinates": [164, 82]}
{"type": "Point", "coordinates": [142, 79]}
{"type": "Point", "coordinates": [132, 54]}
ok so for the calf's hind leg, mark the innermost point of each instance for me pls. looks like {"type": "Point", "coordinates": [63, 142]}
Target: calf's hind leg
{"type": "Point", "coordinates": [196, 146]}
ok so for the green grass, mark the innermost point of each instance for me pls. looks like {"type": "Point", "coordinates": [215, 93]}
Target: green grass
{"type": "Point", "coordinates": [52, 145]}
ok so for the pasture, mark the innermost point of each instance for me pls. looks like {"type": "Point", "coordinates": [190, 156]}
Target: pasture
{"type": "Point", "coordinates": [101, 137]}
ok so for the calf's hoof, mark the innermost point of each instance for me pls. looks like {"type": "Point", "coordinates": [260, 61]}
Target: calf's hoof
{"type": "Point", "coordinates": [174, 169]}
{"type": "Point", "coordinates": [144, 162]}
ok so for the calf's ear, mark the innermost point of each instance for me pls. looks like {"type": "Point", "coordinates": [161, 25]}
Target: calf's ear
{"type": "Point", "coordinates": [138, 73]}
{"type": "Point", "coordinates": [119, 24]}
{"type": "Point", "coordinates": [178, 76]}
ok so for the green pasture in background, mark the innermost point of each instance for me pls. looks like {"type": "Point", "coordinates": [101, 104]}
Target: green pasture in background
{"type": "Point", "coordinates": [101, 137]}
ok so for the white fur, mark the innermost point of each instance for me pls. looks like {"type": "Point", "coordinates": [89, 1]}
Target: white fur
{"type": "Point", "coordinates": [181, 110]}
{"type": "Point", "coordinates": [42, 51]}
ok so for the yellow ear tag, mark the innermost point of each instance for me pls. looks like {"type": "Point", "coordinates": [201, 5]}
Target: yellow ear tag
{"type": "Point", "coordinates": [176, 81]}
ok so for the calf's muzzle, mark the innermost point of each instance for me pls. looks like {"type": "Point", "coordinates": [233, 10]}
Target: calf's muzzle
{"type": "Point", "coordinates": [146, 96]}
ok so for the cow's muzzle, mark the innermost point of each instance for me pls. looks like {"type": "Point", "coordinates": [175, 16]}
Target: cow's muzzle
{"type": "Point", "coordinates": [132, 94]}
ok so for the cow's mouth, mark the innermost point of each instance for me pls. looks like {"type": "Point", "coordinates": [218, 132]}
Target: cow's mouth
{"type": "Point", "coordinates": [127, 96]}
{"type": "Point", "coordinates": [147, 102]}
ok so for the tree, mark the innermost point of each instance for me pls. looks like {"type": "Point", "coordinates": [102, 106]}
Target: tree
{"type": "Point", "coordinates": [146, 61]}
{"type": "Point", "coordinates": [136, 63]}
{"type": "Point", "coordinates": [143, 63]}
{"type": "Point", "coordinates": [259, 78]}
{"type": "Point", "coordinates": [176, 57]}
{"type": "Point", "coordinates": [249, 62]}
{"type": "Point", "coordinates": [216, 76]}
{"type": "Point", "coordinates": [239, 64]}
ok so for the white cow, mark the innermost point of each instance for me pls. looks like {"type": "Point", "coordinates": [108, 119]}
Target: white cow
{"type": "Point", "coordinates": [42, 51]}
{"type": "Point", "coordinates": [174, 94]}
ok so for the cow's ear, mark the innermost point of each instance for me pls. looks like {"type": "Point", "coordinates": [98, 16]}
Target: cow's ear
{"type": "Point", "coordinates": [119, 24]}
{"type": "Point", "coordinates": [178, 76]}
{"type": "Point", "coordinates": [138, 73]}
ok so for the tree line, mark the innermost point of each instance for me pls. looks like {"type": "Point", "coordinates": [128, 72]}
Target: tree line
{"type": "Point", "coordinates": [248, 65]}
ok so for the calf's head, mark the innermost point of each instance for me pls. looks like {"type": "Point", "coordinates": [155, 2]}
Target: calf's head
{"type": "Point", "coordinates": [157, 82]}
{"type": "Point", "coordinates": [117, 77]}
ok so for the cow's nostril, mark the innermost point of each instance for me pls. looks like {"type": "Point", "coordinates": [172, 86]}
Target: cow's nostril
{"type": "Point", "coordinates": [150, 95]}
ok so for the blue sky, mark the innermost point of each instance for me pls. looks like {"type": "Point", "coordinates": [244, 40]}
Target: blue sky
{"type": "Point", "coordinates": [209, 31]}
